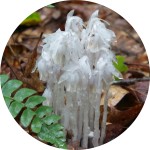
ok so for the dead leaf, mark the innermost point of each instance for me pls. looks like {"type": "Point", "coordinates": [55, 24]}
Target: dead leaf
{"type": "Point", "coordinates": [113, 131]}
{"type": "Point", "coordinates": [126, 117]}
{"type": "Point", "coordinates": [32, 59]}
{"type": "Point", "coordinates": [141, 90]}
{"type": "Point", "coordinates": [116, 93]}
{"type": "Point", "coordinates": [128, 101]}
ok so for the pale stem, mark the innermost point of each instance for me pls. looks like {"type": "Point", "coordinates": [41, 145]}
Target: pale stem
{"type": "Point", "coordinates": [80, 117]}
{"type": "Point", "coordinates": [86, 129]}
{"type": "Point", "coordinates": [103, 124]}
{"type": "Point", "coordinates": [96, 120]}
{"type": "Point", "coordinates": [73, 119]}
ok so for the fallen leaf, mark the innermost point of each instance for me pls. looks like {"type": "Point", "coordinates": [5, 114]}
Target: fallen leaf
{"type": "Point", "coordinates": [113, 131]}
{"type": "Point", "coordinates": [124, 118]}
{"type": "Point", "coordinates": [116, 93]}
{"type": "Point", "coordinates": [141, 90]}
{"type": "Point", "coordinates": [128, 101]}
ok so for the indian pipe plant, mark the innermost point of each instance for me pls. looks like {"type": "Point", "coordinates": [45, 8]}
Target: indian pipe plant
{"type": "Point", "coordinates": [77, 65]}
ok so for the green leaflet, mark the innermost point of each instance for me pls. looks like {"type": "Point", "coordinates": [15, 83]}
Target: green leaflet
{"type": "Point", "coordinates": [51, 119]}
{"type": "Point", "coordinates": [15, 108]}
{"type": "Point", "coordinates": [23, 93]}
{"type": "Point", "coordinates": [34, 101]}
{"type": "Point", "coordinates": [10, 86]}
{"type": "Point", "coordinates": [56, 127]}
{"type": "Point", "coordinates": [50, 6]}
{"type": "Point", "coordinates": [27, 117]}
{"type": "Point", "coordinates": [8, 100]}
{"type": "Point", "coordinates": [43, 110]}
{"type": "Point", "coordinates": [36, 125]}
{"type": "Point", "coordinates": [3, 79]}
{"type": "Point", "coordinates": [119, 65]}
{"type": "Point", "coordinates": [32, 19]}
{"type": "Point", "coordinates": [46, 134]}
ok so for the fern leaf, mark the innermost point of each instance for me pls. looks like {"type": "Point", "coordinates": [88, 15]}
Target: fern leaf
{"type": "Point", "coordinates": [43, 110]}
{"type": "Point", "coordinates": [36, 125]}
{"type": "Point", "coordinates": [51, 119]}
{"type": "Point", "coordinates": [23, 93]}
{"type": "Point", "coordinates": [27, 117]}
{"type": "Point", "coordinates": [15, 108]}
{"type": "Point", "coordinates": [34, 101]}
{"type": "Point", "coordinates": [3, 79]}
{"type": "Point", "coordinates": [8, 100]}
{"type": "Point", "coordinates": [10, 86]}
{"type": "Point", "coordinates": [36, 117]}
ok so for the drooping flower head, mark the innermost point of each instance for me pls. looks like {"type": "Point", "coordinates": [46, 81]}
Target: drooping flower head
{"type": "Point", "coordinates": [74, 23]}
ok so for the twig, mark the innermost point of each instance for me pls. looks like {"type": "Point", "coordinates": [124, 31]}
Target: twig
{"type": "Point", "coordinates": [130, 81]}
{"type": "Point", "coordinates": [12, 51]}
{"type": "Point", "coordinates": [13, 71]}
{"type": "Point", "coordinates": [144, 67]}
{"type": "Point", "coordinates": [32, 59]}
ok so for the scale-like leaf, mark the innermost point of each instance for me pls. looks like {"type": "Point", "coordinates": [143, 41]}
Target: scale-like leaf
{"type": "Point", "coordinates": [3, 78]}
{"type": "Point", "coordinates": [43, 110]}
{"type": "Point", "coordinates": [27, 117]}
{"type": "Point", "coordinates": [10, 87]}
{"type": "Point", "coordinates": [15, 108]}
{"type": "Point", "coordinates": [51, 119]}
{"type": "Point", "coordinates": [34, 101]}
{"type": "Point", "coordinates": [36, 125]}
{"type": "Point", "coordinates": [23, 93]}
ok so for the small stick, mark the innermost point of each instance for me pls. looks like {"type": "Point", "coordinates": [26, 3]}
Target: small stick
{"type": "Point", "coordinates": [11, 68]}
{"type": "Point", "coordinates": [130, 81]}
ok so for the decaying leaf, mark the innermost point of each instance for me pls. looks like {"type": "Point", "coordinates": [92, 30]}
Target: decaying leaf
{"type": "Point", "coordinates": [113, 131]}
{"type": "Point", "coordinates": [126, 117]}
{"type": "Point", "coordinates": [115, 96]}
{"type": "Point", "coordinates": [141, 90]}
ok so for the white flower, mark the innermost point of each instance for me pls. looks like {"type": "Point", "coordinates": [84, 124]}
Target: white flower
{"type": "Point", "coordinates": [74, 23]}
{"type": "Point", "coordinates": [77, 66]}
{"type": "Point", "coordinates": [98, 36]}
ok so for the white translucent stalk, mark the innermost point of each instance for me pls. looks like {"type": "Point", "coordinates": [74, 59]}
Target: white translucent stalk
{"type": "Point", "coordinates": [67, 108]}
{"type": "Point", "coordinates": [49, 98]}
{"type": "Point", "coordinates": [104, 120]}
{"type": "Point", "coordinates": [73, 116]}
{"type": "Point", "coordinates": [66, 115]}
{"type": "Point", "coordinates": [91, 117]}
{"type": "Point", "coordinates": [96, 120]}
{"type": "Point", "coordinates": [80, 116]}
{"type": "Point", "coordinates": [86, 129]}
{"type": "Point", "coordinates": [55, 98]}
{"type": "Point", "coordinates": [60, 98]}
